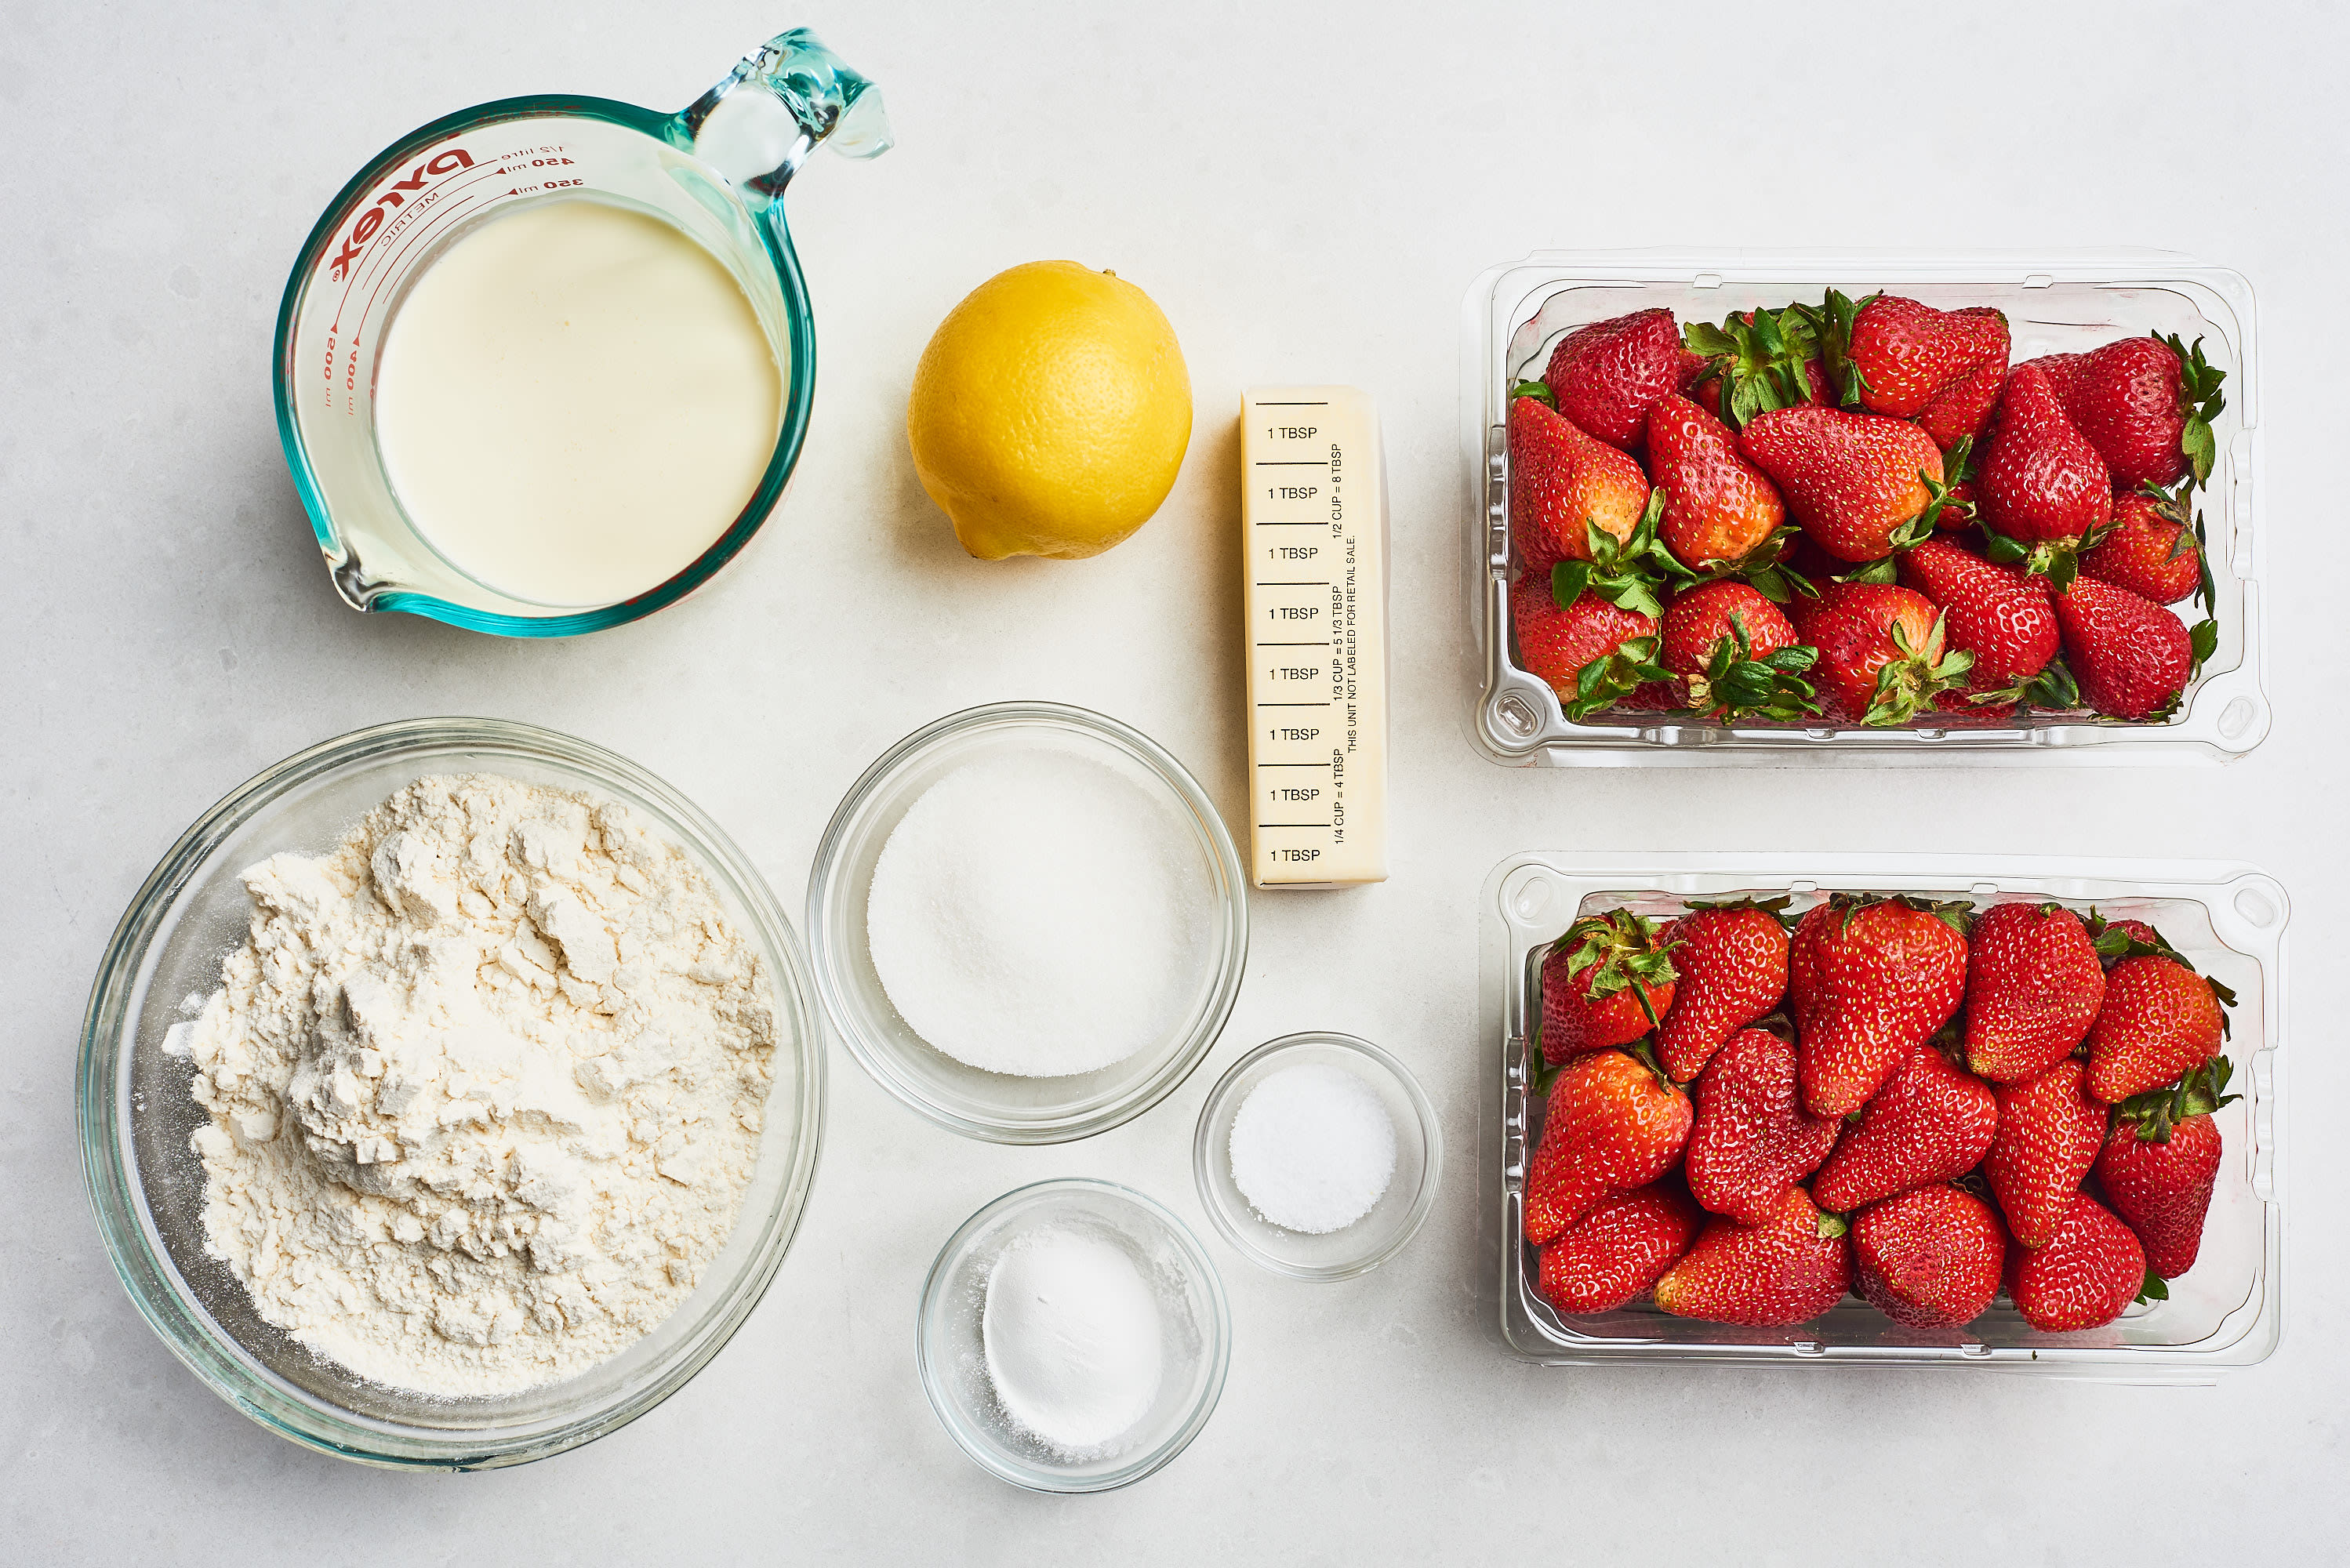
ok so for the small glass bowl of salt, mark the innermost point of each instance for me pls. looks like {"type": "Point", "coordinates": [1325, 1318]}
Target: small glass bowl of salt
{"type": "Point", "coordinates": [1316, 1156]}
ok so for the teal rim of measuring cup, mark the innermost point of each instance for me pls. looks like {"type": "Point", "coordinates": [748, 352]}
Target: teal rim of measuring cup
{"type": "Point", "coordinates": [774, 234]}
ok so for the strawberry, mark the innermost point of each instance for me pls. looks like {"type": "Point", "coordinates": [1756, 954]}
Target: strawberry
{"type": "Point", "coordinates": [1862, 485]}
{"type": "Point", "coordinates": [1732, 958]}
{"type": "Point", "coordinates": [1750, 1140]}
{"type": "Point", "coordinates": [1931, 1258]}
{"type": "Point", "coordinates": [2159, 1019]}
{"type": "Point", "coordinates": [1612, 1124]}
{"type": "Point", "coordinates": [1882, 651]}
{"type": "Point", "coordinates": [1719, 512]}
{"type": "Point", "coordinates": [2151, 549]}
{"type": "Point", "coordinates": [1755, 361]}
{"type": "Point", "coordinates": [2161, 1161]}
{"type": "Point", "coordinates": [1590, 651]}
{"type": "Point", "coordinates": [1900, 354]}
{"type": "Point", "coordinates": [1605, 983]}
{"type": "Point", "coordinates": [2008, 628]}
{"type": "Point", "coordinates": [1788, 1270]}
{"type": "Point", "coordinates": [1961, 412]}
{"type": "Point", "coordinates": [2049, 1134]}
{"type": "Point", "coordinates": [1563, 484]}
{"type": "Point", "coordinates": [1735, 654]}
{"type": "Point", "coordinates": [2043, 491]}
{"type": "Point", "coordinates": [2147, 405]}
{"type": "Point", "coordinates": [1619, 1250]}
{"type": "Point", "coordinates": [2033, 986]}
{"type": "Point", "coordinates": [1929, 1123]}
{"type": "Point", "coordinates": [2132, 657]}
{"type": "Point", "coordinates": [1605, 375]}
{"type": "Point", "coordinates": [2085, 1275]}
{"type": "Point", "coordinates": [1870, 980]}
{"type": "Point", "coordinates": [1959, 513]}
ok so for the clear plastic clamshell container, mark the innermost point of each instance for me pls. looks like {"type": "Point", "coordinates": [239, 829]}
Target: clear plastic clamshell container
{"type": "Point", "coordinates": [1515, 315]}
{"type": "Point", "coordinates": [2226, 919]}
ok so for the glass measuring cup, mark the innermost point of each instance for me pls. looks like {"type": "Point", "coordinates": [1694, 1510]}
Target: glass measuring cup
{"type": "Point", "coordinates": [716, 172]}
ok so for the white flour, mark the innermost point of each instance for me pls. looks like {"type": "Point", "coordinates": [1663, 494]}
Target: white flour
{"type": "Point", "coordinates": [486, 1086]}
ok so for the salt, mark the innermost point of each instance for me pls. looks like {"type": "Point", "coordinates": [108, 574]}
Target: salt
{"type": "Point", "coordinates": [1313, 1148]}
{"type": "Point", "coordinates": [1073, 1341]}
{"type": "Point", "coordinates": [1038, 914]}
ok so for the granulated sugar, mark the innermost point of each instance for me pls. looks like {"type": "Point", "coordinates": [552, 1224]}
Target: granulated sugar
{"type": "Point", "coordinates": [1313, 1148]}
{"type": "Point", "coordinates": [1038, 914]}
{"type": "Point", "coordinates": [1073, 1340]}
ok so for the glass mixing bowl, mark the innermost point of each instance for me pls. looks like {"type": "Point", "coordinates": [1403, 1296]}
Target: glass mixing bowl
{"type": "Point", "coordinates": [1195, 1324]}
{"type": "Point", "coordinates": [1394, 1219]}
{"type": "Point", "coordinates": [995, 1106]}
{"type": "Point", "coordinates": [136, 1113]}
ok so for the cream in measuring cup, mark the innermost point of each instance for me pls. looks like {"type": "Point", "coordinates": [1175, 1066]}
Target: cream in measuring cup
{"type": "Point", "coordinates": [545, 366]}
{"type": "Point", "coordinates": [575, 401]}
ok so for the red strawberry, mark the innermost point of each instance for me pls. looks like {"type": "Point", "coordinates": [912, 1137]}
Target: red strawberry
{"type": "Point", "coordinates": [1751, 1140]}
{"type": "Point", "coordinates": [1929, 1123]}
{"type": "Point", "coordinates": [1591, 652]}
{"type": "Point", "coordinates": [2151, 550]}
{"type": "Point", "coordinates": [1619, 1250]}
{"type": "Point", "coordinates": [1611, 1125]}
{"type": "Point", "coordinates": [2132, 657]}
{"type": "Point", "coordinates": [2147, 405]}
{"type": "Point", "coordinates": [1754, 361]}
{"type": "Point", "coordinates": [2049, 1133]}
{"type": "Point", "coordinates": [1861, 484]}
{"type": "Point", "coordinates": [1605, 375]}
{"type": "Point", "coordinates": [1929, 1259]}
{"type": "Point", "coordinates": [1961, 411]}
{"type": "Point", "coordinates": [1905, 353]}
{"type": "Point", "coordinates": [1870, 980]}
{"type": "Point", "coordinates": [2062, 370]}
{"type": "Point", "coordinates": [2033, 986]}
{"type": "Point", "coordinates": [2161, 1163]}
{"type": "Point", "coordinates": [2159, 1019]}
{"type": "Point", "coordinates": [1719, 509]}
{"type": "Point", "coordinates": [1959, 513]}
{"type": "Point", "coordinates": [2085, 1275]}
{"type": "Point", "coordinates": [1736, 655]}
{"type": "Point", "coordinates": [1788, 1270]}
{"type": "Point", "coordinates": [2040, 484]}
{"type": "Point", "coordinates": [2009, 629]}
{"type": "Point", "coordinates": [1563, 484]}
{"type": "Point", "coordinates": [1881, 651]}
{"type": "Point", "coordinates": [1605, 983]}
{"type": "Point", "coordinates": [1732, 963]}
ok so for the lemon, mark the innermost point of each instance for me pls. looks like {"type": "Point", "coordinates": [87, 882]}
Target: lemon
{"type": "Point", "coordinates": [1050, 412]}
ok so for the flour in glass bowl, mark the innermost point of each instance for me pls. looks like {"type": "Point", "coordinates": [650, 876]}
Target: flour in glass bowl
{"type": "Point", "coordinates": [486, 1086]}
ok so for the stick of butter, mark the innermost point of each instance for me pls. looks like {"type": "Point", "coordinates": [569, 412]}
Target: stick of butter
{"type": "Point", "coordinates": [1314, 556]}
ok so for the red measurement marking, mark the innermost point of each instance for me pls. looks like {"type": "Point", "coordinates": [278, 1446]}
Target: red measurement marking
{"type": "Point", "coordinates": [381, 260]}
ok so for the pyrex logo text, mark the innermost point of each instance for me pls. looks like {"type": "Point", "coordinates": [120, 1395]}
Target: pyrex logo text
{"type": "Point", "coordinates": [369, 222]}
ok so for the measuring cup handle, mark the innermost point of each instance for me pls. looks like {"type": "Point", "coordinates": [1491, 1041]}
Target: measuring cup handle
{"type": "Point", "coordinates": [827, 101]}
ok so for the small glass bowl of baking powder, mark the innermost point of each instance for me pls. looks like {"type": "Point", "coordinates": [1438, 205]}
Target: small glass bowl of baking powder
{"type": "Point", "coordinates": [1194, 1333]}
{"type": "Point", "coordinates": [1352, 1248]}
{"type": "Point", "coordinates": [1002, 1107]}
{"type": "Point", "coordinates": [137, 1114]}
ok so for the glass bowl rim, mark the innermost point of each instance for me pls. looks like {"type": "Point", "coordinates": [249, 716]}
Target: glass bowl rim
{"type": "Point", "coordinates": [1213, 1111]}
{"type": "Point", "coordinates": [825, 888]}
{"type": "Point", "coordinates": [1033, 1478]}
{"type": "Point", "coordinates": [117, 1198]}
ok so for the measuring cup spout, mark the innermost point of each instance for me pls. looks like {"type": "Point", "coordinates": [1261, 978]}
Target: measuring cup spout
{"type": "Point", "coordinates": [821, 100]}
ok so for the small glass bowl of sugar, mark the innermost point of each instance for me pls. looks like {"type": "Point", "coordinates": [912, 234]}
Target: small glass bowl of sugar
{"type": "Point", "coordinates": [1316, 1156]}
{"type": "Point", "coordinates": [1110, 1354]}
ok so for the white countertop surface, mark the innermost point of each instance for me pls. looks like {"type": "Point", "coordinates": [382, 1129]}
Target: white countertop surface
{"type": "Point", "coordinates": [1306, 191]}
